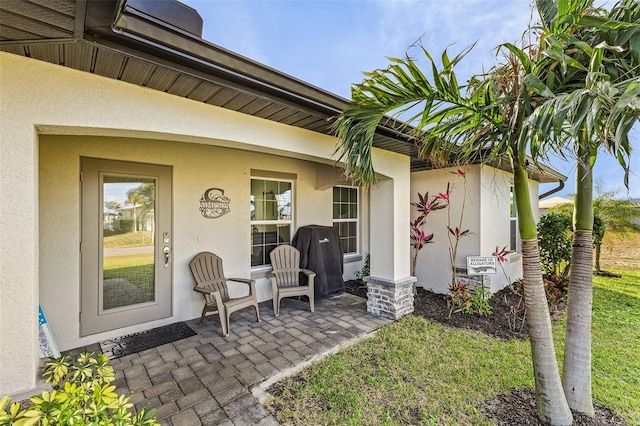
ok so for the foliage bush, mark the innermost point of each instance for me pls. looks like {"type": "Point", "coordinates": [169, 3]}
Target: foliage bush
{"type": "Point", "coordinates": [459, 299]}
{"type": "Point", "coordinates": [82, 395]}
{"type": "Point", "coordinates": [481, 296]}
{"type": "Point", "coordinates": [462, 299]}
{"type": "Point", "coordinates": [554, 239]}
{"type": "Point", "coordinates": [122, 226]}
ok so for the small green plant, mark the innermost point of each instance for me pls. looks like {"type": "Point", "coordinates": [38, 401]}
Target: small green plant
{"type": "Point", "coordinates": [366, 268]}
{"type": "Point", "coordinates": [82, 395]}
{"type": "Point", "coordinates": [481, 296]}
{"type": "Point", "coordinates": [517, 314]}
{"type": "Point", "coordinates": [459, 299]}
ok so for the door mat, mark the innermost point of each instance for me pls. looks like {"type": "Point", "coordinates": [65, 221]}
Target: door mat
{"type": "Point", "coordinates": [138, 342]}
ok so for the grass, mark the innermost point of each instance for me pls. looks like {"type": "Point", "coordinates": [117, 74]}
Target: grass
{"type": "Point", "coordinates": [620, 252]}
{"type": "Point", "coordinates": [130, 239]}
{"type": "Point", "coordinates": [616, 344]}
{"type": "Point", "coordinates": [137, 268]}
{"type": "Point", "coordinates": [418, 372]}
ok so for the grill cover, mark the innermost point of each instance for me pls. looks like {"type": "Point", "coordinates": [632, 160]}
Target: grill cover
{"type": "Point", "coordinates": [321, 252]}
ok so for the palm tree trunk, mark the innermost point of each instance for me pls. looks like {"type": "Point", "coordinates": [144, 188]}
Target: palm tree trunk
{"type": "Point", "coordinates": [135, 220]}
{"type": "Point", "coordinates": [598, 249]}
{"type": "Point", "coordinates": [576, 374]}
{"type": "Point", "coordinates": [550, 400]}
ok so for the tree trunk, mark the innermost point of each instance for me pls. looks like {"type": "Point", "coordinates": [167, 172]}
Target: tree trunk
{"type": "Point", "coordinates": [576, 374]}
{"type": "Point", "coordinates": [550, 400]}
{"type": "Point", "coordinates": [598, 249]}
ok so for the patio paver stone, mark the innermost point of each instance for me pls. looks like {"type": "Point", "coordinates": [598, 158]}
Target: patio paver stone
{"type": "Point", "coordinates": [206, 379]}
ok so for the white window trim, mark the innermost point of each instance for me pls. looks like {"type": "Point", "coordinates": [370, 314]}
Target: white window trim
{"type": "Point", "coordinates": [290, 222]}
{"type": "Point", "coordinates": [349, 257]}
{"type": "Point", "coordinates": [513, 220]}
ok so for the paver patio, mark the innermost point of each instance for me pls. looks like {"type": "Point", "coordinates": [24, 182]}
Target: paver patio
{"type": "Point", "coordinates": [206, 379]}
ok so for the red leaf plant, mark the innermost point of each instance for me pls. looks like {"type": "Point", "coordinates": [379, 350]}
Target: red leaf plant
{"type": "Point", "coordinates": [501, 253]}
{"type": "Point", "coordinates": [418, 237]}
{"type": "Point", "coordinates": [455, 233]}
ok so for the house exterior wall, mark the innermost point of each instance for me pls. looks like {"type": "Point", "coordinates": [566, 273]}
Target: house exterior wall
{"type": "Point", "coordinates": [495, 224]}
{"type": "Point", "coordinates": [195, 169]}
{"type": "Point", "coordinates": [51, 115]}
{"type": "Point", "coordinates": [433, 269]}
{"type": "Point", "coordinates": [486, 215]}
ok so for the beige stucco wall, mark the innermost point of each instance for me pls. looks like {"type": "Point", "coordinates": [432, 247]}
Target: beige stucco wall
{"type": "Point", "coordinates": [434, 266]}
{"type": "Point", "coordinates": [487, 215]}
{"type": "Point", "coordinates": [495, 225]}
{"type": "Point", "coordinates": [62, 111]}
{"type": "Point", "coordinates": [195, 169]}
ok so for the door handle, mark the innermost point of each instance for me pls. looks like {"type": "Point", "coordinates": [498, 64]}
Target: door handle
{"type": "Point", "coordinates": [167, 256]}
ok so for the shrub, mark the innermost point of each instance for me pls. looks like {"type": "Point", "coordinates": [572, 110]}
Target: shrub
{"type": "Point", "coordinates": [366, 268]}
{"type": "Point", "coordinates": [122, 226]}
{"type": "Point", "coordinates": [459, 299]}
{"type": "Point", "coordinates": [481, 296]}
{"type": "Point", "coordinates": [82, 395]}
{"type": "Point", "coordinates": [554, 239]}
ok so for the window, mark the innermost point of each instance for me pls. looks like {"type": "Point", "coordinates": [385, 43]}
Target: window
{"type": "Point", "coordinates": [345, 217]}
{"type": "Point", "coordinates": [514, 232]}
{"type": "Point", "coordinates": [271, 217]}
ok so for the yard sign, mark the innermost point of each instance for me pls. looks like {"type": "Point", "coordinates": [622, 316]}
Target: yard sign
{"type": "Point", "coordinates": [482, 265]}
{"type": "Point", "coordinates": [48, 347]}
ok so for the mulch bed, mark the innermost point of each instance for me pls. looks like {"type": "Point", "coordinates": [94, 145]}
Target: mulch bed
{"type": "Point", "coordinates": [519, 406]}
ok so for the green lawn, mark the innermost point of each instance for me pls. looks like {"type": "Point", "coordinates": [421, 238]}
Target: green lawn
{"type": "Point", "coordinates": [130, 239]}
{"type": "Point", "coordinates": [418, 372]}
{"type": "Point", "coordinates": [137, 268]}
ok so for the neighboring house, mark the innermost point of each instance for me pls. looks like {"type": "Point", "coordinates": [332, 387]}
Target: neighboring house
{"type": "Point", "coordinates": [546, 204]}
{"type": "Point", "coordinates": [101, 96]}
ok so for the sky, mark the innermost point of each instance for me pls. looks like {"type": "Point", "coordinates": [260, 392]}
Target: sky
{"type": "Point", "coordinates": [330, 43]}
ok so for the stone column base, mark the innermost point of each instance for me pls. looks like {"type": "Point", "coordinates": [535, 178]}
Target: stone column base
{"type": "Point", "coordinates": [390, 299]}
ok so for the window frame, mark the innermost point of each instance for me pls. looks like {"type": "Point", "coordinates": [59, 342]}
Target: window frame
{"type": "Point", "coordinates": [514, 232]}
{"type": "Point", "coordinates": [349, 220]}
{"type": "Point", "coordinates": [290, 222]}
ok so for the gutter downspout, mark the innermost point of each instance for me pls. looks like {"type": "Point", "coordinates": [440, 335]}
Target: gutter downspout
{"type": "Point", "coordinates": [553, 191]}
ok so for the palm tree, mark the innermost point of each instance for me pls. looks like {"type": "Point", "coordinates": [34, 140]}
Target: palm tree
{"type": "Point", "coordinates": [112, 206]}
{"type": "Point", "coordinates": [598, 114]}
{"type": "Point", "coordinates": [481, 121]}
{"type": "Point", "coordinates": [134, 198]}
{"type": "Point", "coordinates": [494, 118]}
{"type": "Point", "coordinates": [144, 197]}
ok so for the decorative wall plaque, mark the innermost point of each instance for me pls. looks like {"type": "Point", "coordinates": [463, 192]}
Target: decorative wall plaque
{"type": "Point", "coordinates": [214, 204]}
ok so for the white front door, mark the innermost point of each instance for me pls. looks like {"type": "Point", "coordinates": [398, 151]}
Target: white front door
{"type": "Point", "coordinates": [126, 246]}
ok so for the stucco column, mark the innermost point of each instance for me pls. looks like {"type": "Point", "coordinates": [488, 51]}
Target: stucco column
{"type": "Point", "coordinates": [390, 287]}
{"type": "Point", "coordinates": [19, 251]}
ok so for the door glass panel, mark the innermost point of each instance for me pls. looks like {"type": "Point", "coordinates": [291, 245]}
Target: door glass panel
{"type": "Point", "coordinates": [129, 223]}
